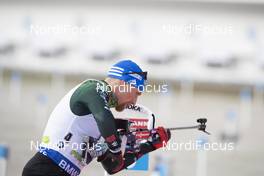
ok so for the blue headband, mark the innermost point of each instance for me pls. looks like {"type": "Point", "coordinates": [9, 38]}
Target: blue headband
{"type": "Point", "coordinates": [129, 72]}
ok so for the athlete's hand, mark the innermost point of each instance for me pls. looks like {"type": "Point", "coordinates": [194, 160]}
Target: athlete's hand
{"type": "Point", "coordinates": [114, 143]}
{"type": "Point", "coordinates": [98, 149]}
{"type": "Point", "coordinates": [112, 162]}
{"type": "Point", "coordinates": [159, 137]}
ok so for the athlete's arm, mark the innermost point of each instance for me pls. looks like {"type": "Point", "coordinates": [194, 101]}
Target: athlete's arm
{"type": "Point", "coordinates": [158, 139]}
{"type": "Point", "coordinates": [87, 99]}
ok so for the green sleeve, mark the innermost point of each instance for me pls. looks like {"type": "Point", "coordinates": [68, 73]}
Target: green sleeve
{"type": "Point", "coordinates": [87, 99]}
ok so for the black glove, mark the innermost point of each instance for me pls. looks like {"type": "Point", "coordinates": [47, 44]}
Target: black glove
{"type": "Point", "coordinates": [114, 143]}
{"type": "Point", "coordinates": [112, 162]}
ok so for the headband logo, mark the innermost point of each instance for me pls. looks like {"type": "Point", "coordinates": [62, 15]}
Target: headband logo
{"type": "Point", "coordinates": [137, 76]}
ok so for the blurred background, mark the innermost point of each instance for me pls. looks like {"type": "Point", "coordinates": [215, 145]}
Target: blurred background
{"type": "Point", "coordinates": [210, 53]}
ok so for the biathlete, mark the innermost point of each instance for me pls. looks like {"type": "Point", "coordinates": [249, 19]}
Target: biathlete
{"type": "Point", "coordinates": [83, 119]}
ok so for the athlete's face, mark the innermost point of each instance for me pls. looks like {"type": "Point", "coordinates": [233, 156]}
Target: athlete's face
{"type": "Point", "coordinates": [127, 97]}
